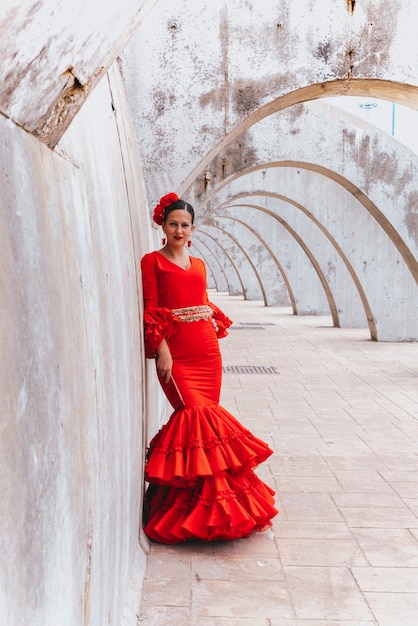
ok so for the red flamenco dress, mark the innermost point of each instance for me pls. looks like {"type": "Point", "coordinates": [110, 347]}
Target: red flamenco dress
{"type": "Point", "coordinates": [200, 464]}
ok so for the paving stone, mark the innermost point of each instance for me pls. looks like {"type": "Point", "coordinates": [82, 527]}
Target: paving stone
{"type": "Point", "coordinates": [164, 616]}
{"type": "Point", "coordinates": [235, 568]}
{"type": "Point", "coordinates": [326, 593]}
{"type": "Point", "coordinates": [388, 547]}
{"type": "Point", "coordinates": [373, 517]}
{"type": "Point", "coordinates": [387, 579]}
{"type": "Point", "coordinates": [394, 609]}
{"type": "Point", "coordinates": [221, 598]}
{"type": "Point", "coordinates": [315, 551]}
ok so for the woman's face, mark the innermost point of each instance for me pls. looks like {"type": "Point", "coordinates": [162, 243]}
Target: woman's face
{"type": "Point", "coordinates": [178, 228]}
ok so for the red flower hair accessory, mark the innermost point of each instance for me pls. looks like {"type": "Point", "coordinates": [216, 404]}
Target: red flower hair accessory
{"type": "Point", "coordinates": [164, 202]}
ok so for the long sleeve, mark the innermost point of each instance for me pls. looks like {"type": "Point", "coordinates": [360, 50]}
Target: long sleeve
{"type": "Point", "coordinates": [158, 321]}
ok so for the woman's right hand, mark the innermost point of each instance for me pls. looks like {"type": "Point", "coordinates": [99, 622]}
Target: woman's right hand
{"type": "Point", "coordinates": [164, 361]}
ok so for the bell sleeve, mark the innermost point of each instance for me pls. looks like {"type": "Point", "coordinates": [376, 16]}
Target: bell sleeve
{"type": "Point", "coordinates": [158, 325]}
{"type": "Point", "coordinates": [221, 321]}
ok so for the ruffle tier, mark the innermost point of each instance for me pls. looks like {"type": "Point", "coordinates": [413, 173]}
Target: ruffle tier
{"type": "Point", "coordinates": [202, 441]}
{"type": "Point", "coordinates": [221, 507]}
{"type": "Point", "coordinates": [202, 484]}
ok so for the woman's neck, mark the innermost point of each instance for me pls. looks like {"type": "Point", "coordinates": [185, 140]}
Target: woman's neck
{"type": "Point", "coordinates": [177, 256]}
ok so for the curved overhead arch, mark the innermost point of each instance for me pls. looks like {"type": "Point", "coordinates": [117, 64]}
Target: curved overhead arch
{"type": "Point", "coordinates": [402, 93]}
{"type": "Point", "coordinates": [322, 278]}
{"type": "Point", "coordinates": [247, 257]}
{"type": "Point", "coordinates": [229, 259]}
{"type": "Point", "coordinates": [208, 265]}
{"type": "Point", "coordinates": [327, 234]}
{"type": "Point", "coordinates": [403, 249]}
{"type": "Point", "coordinates": [273, 256]}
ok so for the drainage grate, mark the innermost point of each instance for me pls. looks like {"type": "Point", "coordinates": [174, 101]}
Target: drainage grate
{"type": "Point", "coordinates": [250, 369]}
{"type": "Point", "coordinates": [248, 327]}
{"type": "Point", "coordinates": [256, 324]}
{"type": "Point", "coordinates": [251, 326]}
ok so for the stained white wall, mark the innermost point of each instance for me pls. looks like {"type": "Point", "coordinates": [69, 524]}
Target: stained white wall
{"type": "Point", "coordinates": [72, 369]}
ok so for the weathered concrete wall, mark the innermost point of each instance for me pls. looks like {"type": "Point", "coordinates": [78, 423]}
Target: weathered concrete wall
{"type": "Point", "coordinates": [218, 67]}
{"type": "Point", "coordinates": [53, 53]}
{"type": "Point", "coordinates": [232, 86]}
{"type": "Point", "coordinates": [72, 378]}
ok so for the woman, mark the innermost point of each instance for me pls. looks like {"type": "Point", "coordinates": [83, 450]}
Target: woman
{"type": "Point", "coordinates": [200, 464]}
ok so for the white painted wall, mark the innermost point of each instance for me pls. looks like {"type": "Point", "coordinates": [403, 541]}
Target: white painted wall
{"type": "Point", "coordinates": [72, 369]}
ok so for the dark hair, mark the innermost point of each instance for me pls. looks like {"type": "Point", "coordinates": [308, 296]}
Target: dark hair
{"type": "Point", "coordinates": [178, 204]}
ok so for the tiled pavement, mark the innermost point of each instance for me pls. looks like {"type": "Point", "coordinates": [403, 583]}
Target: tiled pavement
{"type": "Point", "coordinates": [342, 418]}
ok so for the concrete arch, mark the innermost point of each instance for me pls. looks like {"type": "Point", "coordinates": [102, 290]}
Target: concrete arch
{"type": "Point", "coordinates": [243, 255]}
{"type": "Point", "coordinates": [410, 261]}
{"type": "Point", "coordinates": [221, 278]}
{"type": "Point", "coordinates": [318, 270]}
{"type": "Point", "coordinates": [325, 136]}
{"type": "Point", "coordinates": [327, 234]}
{"type": "Point", "coordinates": [271, 253]}
{"type": "Point", "coordinates": [393, 319]}
{"type": "Point", "coordinates": [245, 246]}
{"type": "Point", "coordinates": [233, 279]}
{"type": "Point", "coordinates": [211, 278]}
{"type": "Point", "coordinates": [397, 92]}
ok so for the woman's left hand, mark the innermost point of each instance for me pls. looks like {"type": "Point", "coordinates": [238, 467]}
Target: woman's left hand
{"type": "Point", "coordinates": [164, 361]}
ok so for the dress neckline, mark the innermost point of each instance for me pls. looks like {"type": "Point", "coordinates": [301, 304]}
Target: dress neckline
{"type": "Point", "coordinates": [175, 264]}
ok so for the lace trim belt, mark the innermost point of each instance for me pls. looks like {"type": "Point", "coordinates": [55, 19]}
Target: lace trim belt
{"type": "Point", "coordinates": [193, 313]}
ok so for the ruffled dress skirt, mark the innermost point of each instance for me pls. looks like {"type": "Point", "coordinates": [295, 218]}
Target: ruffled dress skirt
{"type": "Point", "coordinates": [200, 465]}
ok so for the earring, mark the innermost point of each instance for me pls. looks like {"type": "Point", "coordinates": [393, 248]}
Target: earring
{"type": "Point", "coordinates": [163, 241]}
{"type": "Point", "coordinates": [189, 243]}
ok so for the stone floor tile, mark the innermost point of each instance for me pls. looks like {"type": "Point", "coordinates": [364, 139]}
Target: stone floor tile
{"type": "Point", "coordinates": [321, 622]}
{"type": "Point", "coordinates": [387, 579]}
{"type": "Point", "coordinates": [394, 609]}
{"type": "Point", "coordinates": [412, 504]}
{"type": "Point", "coordinates": [166, 592]}
{"type": "Point", "coordinates": [308, 506]}
{"type": "Point", "coordinates": [367, 500]}
{"type": "Point", "coordinates": [307, 469]}
{"type": "Point", "coordinates": [162, 566]}
{"type": "Point", "coordinates": [398, 476]}
{"type": "Point", "coordinates": [365, 462]}
{"type": "Point", "coordinates": [235, 568]}
{"type": "Point", "coordinates": [362, 481]}
{"type": "Point", "coordinates": [388, 547]}
{"type": "Point", "coordinates": [314, 484]}
{"type": "Point", "coordinates": [321, 552]}
{"type": "Point", "coordinates": [311, 530]}
{"type": "Point", "coordinates": [373, 517]}
{"type": "Point", "coordinates": [326, 593]}
{"type": "Point", "coordinates": [405, 489]}
{"type": "Point", "coordinates": [309, 464]}
{"type": "Point", "coordinates": [230, 621]}
{"type": "Point", "coordinates": [405, 463]}
{"type": "Point", "coordinates": [258, 545]}
{"type": "Point", "coordinates": [164, 616]}
{"type": "Point", "coordinates": [251, 599]}
{"type": "Point", "coordinates": [180, 550]}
